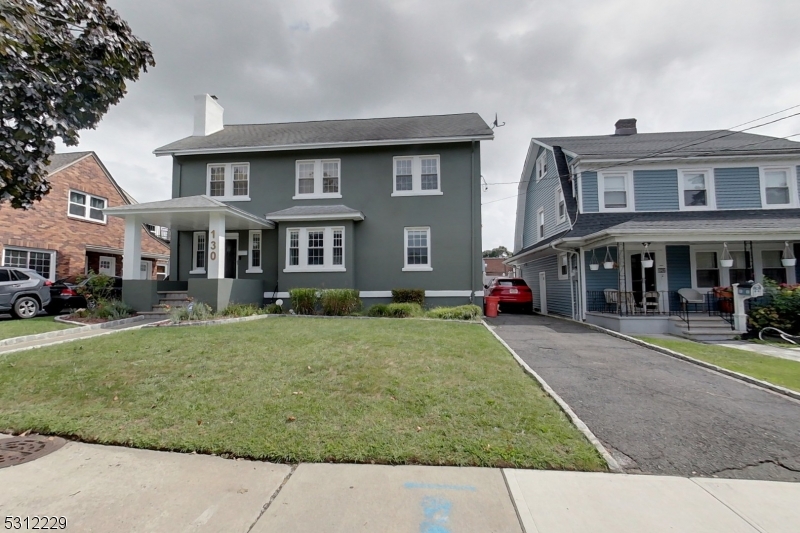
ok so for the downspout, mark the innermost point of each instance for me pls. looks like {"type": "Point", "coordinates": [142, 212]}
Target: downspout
{"type": "Point", "coordinates": [570, 253]}
{"type": "Point", "coordinates": [472, 223]}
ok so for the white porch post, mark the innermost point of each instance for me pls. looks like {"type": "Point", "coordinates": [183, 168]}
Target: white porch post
{"type": "Point", "coordinates": [132, 250]}
{"type": "Point", "coordinates": [216, 246]}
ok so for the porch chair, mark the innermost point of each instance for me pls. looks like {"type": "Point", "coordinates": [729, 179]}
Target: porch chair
{"type": "Point", "coordinates": [691, 296]}
{"type": "Point", "coordinates": [650, 302]}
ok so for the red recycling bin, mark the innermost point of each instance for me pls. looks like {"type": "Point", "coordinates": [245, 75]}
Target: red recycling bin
{"type": "Point", "coordinates": [491, 303]}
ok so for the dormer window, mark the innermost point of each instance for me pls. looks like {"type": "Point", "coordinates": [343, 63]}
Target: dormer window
{"type": "Point", "coordinates": [229, 181]}
{"type": "Point", "coordinates": [317, 178]}
{"type": "Point", "coordinates": [541, 166]}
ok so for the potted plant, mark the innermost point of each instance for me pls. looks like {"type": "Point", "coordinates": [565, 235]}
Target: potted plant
{"type": "Point", "coordinates": [724, 296]}
{"type": "Point", "coordinates": [593, 264]}
{"type": "Point", "coordinates": [788, 259]}
{"type": "Point", "coordinates": [608, 262]}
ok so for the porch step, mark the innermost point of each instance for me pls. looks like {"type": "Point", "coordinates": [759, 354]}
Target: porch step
{"type": "Point", "coordinates": [173, 294]}
{"type": "Point", "coordinates": [174, 301]}
{"type": "Point", "coordinates": [154, 314]}
{"type": "Point", "coordinates": [705, 335]}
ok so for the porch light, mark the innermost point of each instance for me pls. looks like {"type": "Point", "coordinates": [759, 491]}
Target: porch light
{"type": "Point", "coordinates": [788, 260]}
{"type": "Point", "coordinates": [727, 260]}
{"type": "Point", "coordinates": [593, 264]}
{"type": "Point", "coordinates": [608, 262]}
{"type": "Point", "coordinates": [648, 261]}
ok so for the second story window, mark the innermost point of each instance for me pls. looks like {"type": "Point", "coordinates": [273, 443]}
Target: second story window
{"type": "Point", "coordinates": [696, 189]}
{"type": "Point", "coordinates": [540, 223]}
{"type": "Point", "coordinates": [561, 207]}
{"type": "Point", "coordinates": [229, 181]}
{"type": "Point", "coordinates": [86, 207]}
{"type": "Point", "coordinates": [416, 175]}
{"type": "Point", "coordinates": [777, 188]}
{"type": "Point", "coordinates": [541, 166]}
{"type": "Point", "coordinates": [615, 191]}
{"type": "Point", "coordinates": [319, 178]}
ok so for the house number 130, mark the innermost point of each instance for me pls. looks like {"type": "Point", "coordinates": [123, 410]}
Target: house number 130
{"type": "Point", "coordinates": [213, 254]}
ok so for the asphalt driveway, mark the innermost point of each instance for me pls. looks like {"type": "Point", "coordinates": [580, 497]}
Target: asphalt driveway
{"type": "Point", "coordinates": [657, 414]}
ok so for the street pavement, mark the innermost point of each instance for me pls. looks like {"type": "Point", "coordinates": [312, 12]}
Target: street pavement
{"type": "Point", "coordinates": [106, 488]}
{"type": "Point", "coordinates": [657, 414]}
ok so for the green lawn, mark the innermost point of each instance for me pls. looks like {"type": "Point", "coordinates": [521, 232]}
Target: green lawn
{"type": "Point", "coordinates": [398, 391]}
{"type": "Point", "coordinates": [775, 370]}
{"type": "Point", "coordinates": [10, 327]}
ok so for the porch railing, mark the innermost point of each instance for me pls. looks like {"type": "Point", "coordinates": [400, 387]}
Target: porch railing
{"type": "Point", "coordinates": [721, 306]}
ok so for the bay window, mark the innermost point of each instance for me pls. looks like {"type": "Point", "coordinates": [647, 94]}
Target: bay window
{"type": "Point", "coordinates": [315, 250]}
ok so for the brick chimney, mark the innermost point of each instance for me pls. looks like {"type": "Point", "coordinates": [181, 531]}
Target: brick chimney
{"type": "Point", "coordinates": [207, 115]}
{"type": "Point", "coordinates": [625, 126]}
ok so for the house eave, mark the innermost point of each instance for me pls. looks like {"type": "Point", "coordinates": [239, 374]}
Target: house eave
{"type": "Point", "coordinates": [315, 146]}
{"type": "Point", "coordinates": [302, 218]}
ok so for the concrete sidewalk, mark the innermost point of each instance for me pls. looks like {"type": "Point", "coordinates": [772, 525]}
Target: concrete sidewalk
{"type": "Point", "coordinates": [106, 488]}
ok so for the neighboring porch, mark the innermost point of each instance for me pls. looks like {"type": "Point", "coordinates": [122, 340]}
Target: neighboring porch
{"type": "Point", "coordinates": [215, 277]}
{"type": "Point", "coordinates": [680, 288]}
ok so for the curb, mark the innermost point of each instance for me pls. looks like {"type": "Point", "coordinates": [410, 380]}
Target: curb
{"type": "Point", "coordinates": [677, 355]}
{"type": "Point", "coordinates": [56, 343]}
{"type": "Point", "coordinates": [613, 465]}
{"type": "Point", "coordinates": [218, 321]}
{"type": "Point", "coordinates": [214, 322]}
{"type": "Point", "coordinates": [65, 332]}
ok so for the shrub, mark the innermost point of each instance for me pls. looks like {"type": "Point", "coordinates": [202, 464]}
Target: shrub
{"type": "Point", "coordinates": [304, 301]}
{"type": "Point", "coordinates": [112, 310]}
{"type": "Point", "coordinates": [340, 302]}
{"type": "Point", "coordinates": [462, 312]}
{"type": "Point", "coordinates": [97, 287]}
{"type": "Point", "coordinates": [194, 311]}
{"type": "Point", "coordinates": [403, 310]}
{"type": "Point", "coordinates": [401, 296]}
{"type": "Point", "coordinates": [273, 309]}
{"type": "Point", "coordinates": [781, 310]}
{"type": "Point", "coordinates": [240, 310]}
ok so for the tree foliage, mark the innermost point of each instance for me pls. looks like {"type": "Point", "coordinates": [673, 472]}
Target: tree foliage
{"type": "Point", "coordinates": [500, 251]}
{"type": "Point", "coordinates": [63, 63]}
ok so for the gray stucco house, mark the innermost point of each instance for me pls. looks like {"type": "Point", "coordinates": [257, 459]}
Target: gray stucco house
{"type": "Point", "coordinates": [633, 231]}
{"type": "Point", "coordinates": [372, 204]}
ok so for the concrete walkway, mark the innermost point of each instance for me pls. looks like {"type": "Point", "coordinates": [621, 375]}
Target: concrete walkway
{"type": "Point", "coordinates": [105, 488]}
{"type": "Point", "coordinates": [657, 414]}
{"type": "Point", "coordinates": [764, 349]}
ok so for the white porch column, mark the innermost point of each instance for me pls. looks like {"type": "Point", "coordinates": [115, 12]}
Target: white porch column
{"type": "Point", "coordinates": [216, 246]}
{"type": "Point", "coordinates": [132, 250]}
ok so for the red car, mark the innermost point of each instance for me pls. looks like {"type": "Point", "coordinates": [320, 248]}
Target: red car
{"type": "Point", "coordinates": [513, 293]}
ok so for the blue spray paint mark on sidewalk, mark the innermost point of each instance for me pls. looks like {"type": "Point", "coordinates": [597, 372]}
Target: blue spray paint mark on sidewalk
{"type": "Point", "coordinates": [437, 515]}
{"type": "Point", "coordinates": [436, 486]}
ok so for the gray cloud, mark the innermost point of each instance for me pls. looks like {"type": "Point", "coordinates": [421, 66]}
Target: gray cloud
{"type": "Point", "coordinates": [548, 68]}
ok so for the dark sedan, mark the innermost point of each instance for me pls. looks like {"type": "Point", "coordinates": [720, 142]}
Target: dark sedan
{"type": "Point", "coordinates": [70, 296]}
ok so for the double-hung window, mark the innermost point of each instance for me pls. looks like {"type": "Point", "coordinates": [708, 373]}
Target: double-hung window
{"type": "Point", "coordinates": [318, 178]}
{"type": "Point", "coordinates": [87, 207]}
{"type": "Point", "coordinates": [561, 206]}
{"type": "Point", "coordinates": [199, 253]}
{"type": "Point", "coordinates": [416, 175]}
{"type": "Point", "coordinates": [739, 272]}
{"type": "Point", "coordinates": [696, 190]}
{"type": "Point", "coordinates": [563, 266]}
{"type": "Point", "coordinates": [229, 181]}
{"type": "Point", "coordinates": [778, 188]}
{"type": "Point", "coordinates": [615, 191]}
{"type": "Point", "coordinates": [42, 261]}
{"type": "Point", "coordinates": [706, 269]}
{"type": "Point", "coordinates": [417, 249]}
{"type": "Point", "coordinates": [541, 166]}
{"type": "Point", "coordinates": [315, 250]}
{"type": "Point", "coordinates": [540, 223]}
{"type": "Point", "coordinates": [771, 266]}
{"type": "Point", "coordinates": [254, 252]}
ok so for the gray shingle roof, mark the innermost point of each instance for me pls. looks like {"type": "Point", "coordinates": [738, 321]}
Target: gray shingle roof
{"type": "Point", "coordinates": [59, 161]}
{"type": "Point", "coordinates": [186, 202]}
{"type": "Point", "coordinates": [756, 221]}
{"type": "Point", "coordinates": [316, 211]}
{"type": "Point", "coordinates": [711, 143]}
{"type": "Point", "coordinates": [295, 134]}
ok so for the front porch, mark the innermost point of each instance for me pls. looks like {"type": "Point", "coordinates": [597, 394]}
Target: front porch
{"type": "Point", "coordinates": [214, 275]}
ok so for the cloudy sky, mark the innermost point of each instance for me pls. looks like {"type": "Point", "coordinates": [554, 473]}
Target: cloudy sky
{"type": "Point", "coordinates": [546, 68]}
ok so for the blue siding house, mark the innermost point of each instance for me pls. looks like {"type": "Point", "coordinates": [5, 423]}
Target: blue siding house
{"type": "Point", "coordinates": [644, 232]}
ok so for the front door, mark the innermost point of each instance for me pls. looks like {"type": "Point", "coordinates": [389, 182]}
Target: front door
{"type": "Point", "coordinates": [231, 257]}
{"type": "Point", "coordinates": [642, 279]}
{"type": "Point", "coordinates": [108, 265]}
{"type": "Point", "coordinates": [543, 292]}
{"type": "Point", "coordinates": [145, 268]}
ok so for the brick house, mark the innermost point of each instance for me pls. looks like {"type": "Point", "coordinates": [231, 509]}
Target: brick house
{"type": "Point", "coordinates": [495, 268]}
{"type": "Point", "coordinates": [67, 234]}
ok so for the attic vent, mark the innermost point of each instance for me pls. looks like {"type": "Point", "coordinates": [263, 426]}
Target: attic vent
{"type": "Point", "coordinates": [625, 126]}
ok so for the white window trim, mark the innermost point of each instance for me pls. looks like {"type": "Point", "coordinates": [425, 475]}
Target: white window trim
{"type": "Point", "coordinates": [561, 259]}
{"type": "Point", "coordinates": [560, 198]}
{"type": "Point", "coordinates": [250, 268]}
{"type": "Point", "coordinates": [195, 269]}
{"type": "Point", "coordinates": [601, 198]}
{"type": "Point", "coordinates": [417, 268]}
{"type": "Point", "coordinates": [416, 176]}
{"type": "Point", "coordinates": [791, 177]}
{"type": "Point", "coordinates": [87, 206]}
{"type": "Point", "coordinates": [541, 166]}
{"type": "Point", "coordinates": [711, 196]}
{"type": "Point", "coordinates": [543, 226]}
{"type": "Point", "coordinates": [327, 244]}
{"type": "Point", "coordinates": [228, 188]}
{"type": "Point", "coordinates": [723, 272]}
{"type": "Point", "coordinates": [39, 250]}
{"type": "Point", "coordinates": [317, 180]}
